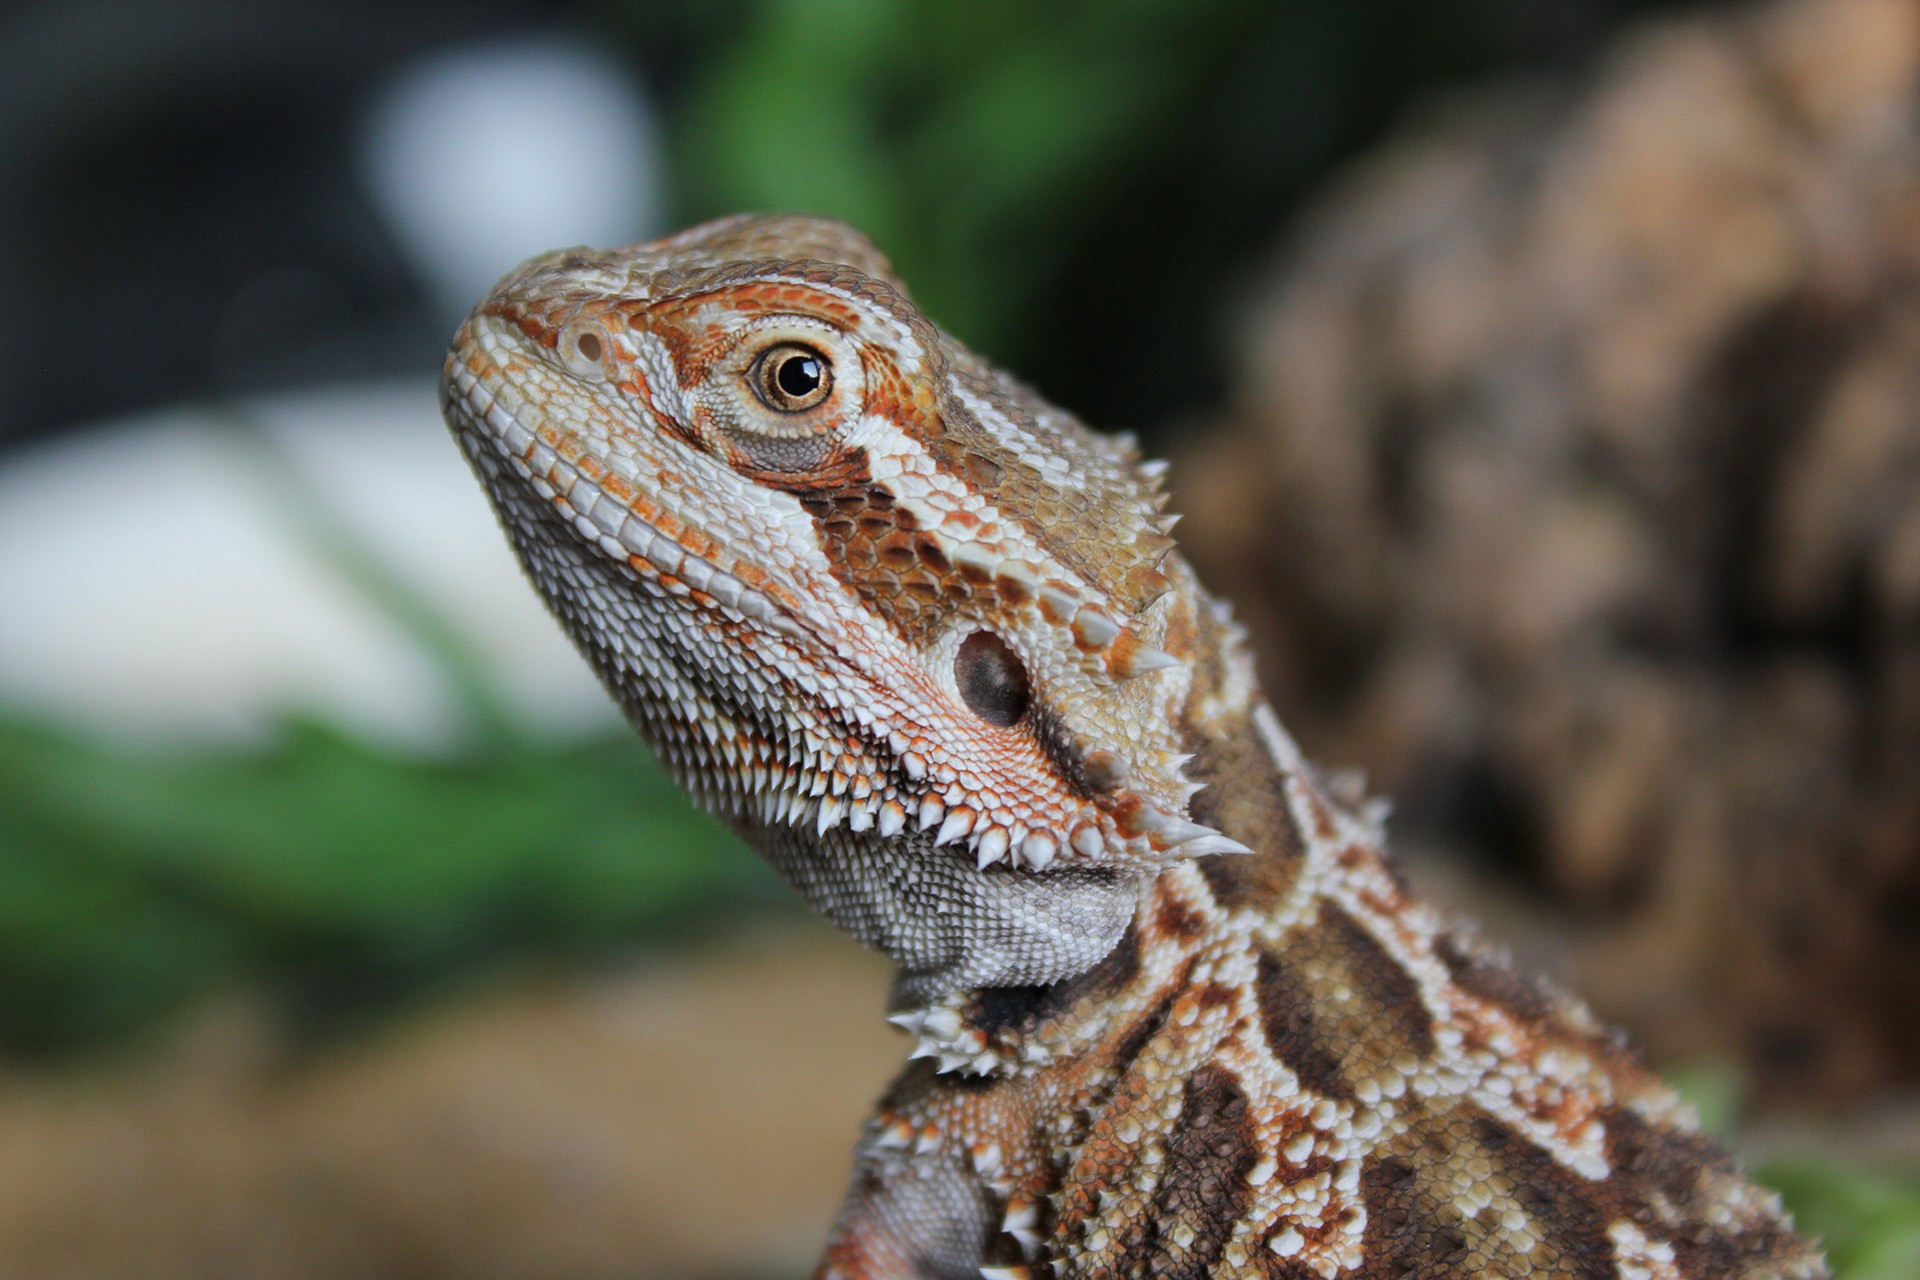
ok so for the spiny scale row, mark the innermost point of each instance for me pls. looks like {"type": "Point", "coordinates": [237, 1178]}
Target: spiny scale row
{"type": "Point", "coordinates": [832, 786]}
{"type": "Point", "coordinates": [1164, 836]}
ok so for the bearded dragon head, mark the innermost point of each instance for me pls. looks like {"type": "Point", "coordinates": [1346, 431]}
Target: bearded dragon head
{"type": "Point", "coordinates": [913, 631]}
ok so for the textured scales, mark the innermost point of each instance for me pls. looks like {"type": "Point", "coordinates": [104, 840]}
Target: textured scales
{"type": "Point", "coordinates": [926, 645]}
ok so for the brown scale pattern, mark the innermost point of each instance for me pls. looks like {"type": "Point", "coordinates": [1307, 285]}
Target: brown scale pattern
{"type": "Point", "coordinates": [1283, 1068]}
{"type": "Point", "coordinates": [1380, 1019]}
{"type": "Point", "coordinates": [1294, 1032]}
{"type": "Point", "coordinates": [1204, 1187]}
{"type": "Point", "coordinates": [781, 239]}
{"type": "Point", "coordinates": [1245, 796]}
{"type": "Point", "coordinates": [1103, 529]}
{"type": "Point", "coordinates": [879, 550]}
{"type": "Point", "coordinates": [1334, 1005]}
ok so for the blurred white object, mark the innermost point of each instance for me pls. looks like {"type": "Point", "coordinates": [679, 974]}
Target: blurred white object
{"type": "Point", "coordinates": [483, 156]}
{"type": "Point", "coordinates": [153, 583]}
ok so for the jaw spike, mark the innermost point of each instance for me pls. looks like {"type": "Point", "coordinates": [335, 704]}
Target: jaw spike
{"type": "Point", "coordinates": [992, 847]}
{"type": "Point", "coordinates": [931, 811]}
{"type": "Point", "coordinates": [832, 809]}
{"type": "Point", "coordinates": [896, 1135]}
{"type": "Point", "coordinates": [1132, 657]}
{"type": "Point", "coordinates": [1179, 831]}
{"type": "Point", "coordinates": [959, 822]}
{"type": "Point", "coordinates": [1211, 843]}
{"type": "Point", "coordinates": [1143, 661]}
{"type": "Point", "coordinates": [1022, 1222]}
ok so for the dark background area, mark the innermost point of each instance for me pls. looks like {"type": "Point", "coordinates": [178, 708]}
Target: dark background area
{"type": "Point", "coordinates": [1071, 187]}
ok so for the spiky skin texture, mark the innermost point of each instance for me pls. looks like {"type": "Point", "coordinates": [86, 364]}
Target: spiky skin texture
{"type": "Point", "coordinates": [1176, 1014]}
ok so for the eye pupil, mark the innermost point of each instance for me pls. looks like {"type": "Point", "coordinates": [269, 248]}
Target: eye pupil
{"type": "Point", "coordinates": [799, 375]}
{"type": "Point", "coordinates": [992, 679]}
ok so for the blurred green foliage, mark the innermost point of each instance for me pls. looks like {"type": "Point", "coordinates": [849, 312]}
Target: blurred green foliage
{"type": "Point", "coordinates": [1868, 1222]}
{"type": "Point", "coordinates": [345, 874]}
{"type": "Point", "coordinates": [966, 139]}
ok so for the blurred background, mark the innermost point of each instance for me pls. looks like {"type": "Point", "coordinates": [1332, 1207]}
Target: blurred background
{"type": "Point", "coordinates": [1542, 379]}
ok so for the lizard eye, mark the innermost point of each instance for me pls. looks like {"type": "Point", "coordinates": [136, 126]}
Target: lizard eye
{"type": "Point", "coordinates": [992, 679]}
{"type": "Point", "coordinates": [791, 378]}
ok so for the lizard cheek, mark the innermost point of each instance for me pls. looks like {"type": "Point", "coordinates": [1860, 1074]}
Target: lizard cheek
{"type": "Point", "coordinates": [992, 679]}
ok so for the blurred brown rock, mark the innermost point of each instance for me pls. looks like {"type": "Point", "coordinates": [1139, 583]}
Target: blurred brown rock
{"type": "Point", "coordinates": [1590, 522]}
{"type": "Point", "coordinates": [693, 1117]}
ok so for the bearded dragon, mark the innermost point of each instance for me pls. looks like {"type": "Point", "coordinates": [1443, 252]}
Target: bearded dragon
{"type": "Point", "coordinates": [924, 641]}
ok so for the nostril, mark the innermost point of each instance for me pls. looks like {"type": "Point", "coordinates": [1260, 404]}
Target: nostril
{"type": "Point", "coordinates": [582, 348]}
